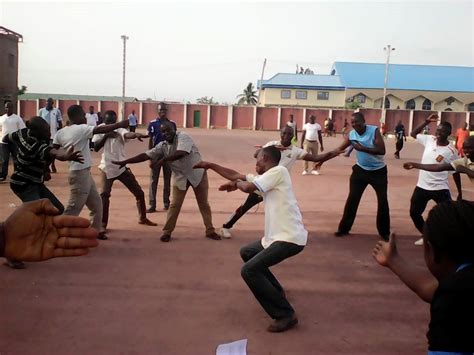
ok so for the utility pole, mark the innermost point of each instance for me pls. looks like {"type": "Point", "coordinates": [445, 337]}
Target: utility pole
{"type": "Point", "coordinates": [261, 79]}
{"type": "Point", "coordinates": [388, 49]}
{"type": "Point", "coordinates": [124, 39]}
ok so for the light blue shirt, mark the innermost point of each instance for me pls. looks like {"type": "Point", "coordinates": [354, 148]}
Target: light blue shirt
{"type": "Point", "coordinates": [132, 119]}
{"type": "Point", "coordinates": [365, 160]}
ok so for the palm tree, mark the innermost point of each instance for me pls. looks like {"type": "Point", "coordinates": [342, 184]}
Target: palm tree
{"type": "Point", "coordinates": [249, 96]}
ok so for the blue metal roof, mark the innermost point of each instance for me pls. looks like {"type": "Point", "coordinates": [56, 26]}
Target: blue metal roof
{"type": "Point", "coordinates": [405, 77]}
{"type": "Point", "coordinates": [304, 81]}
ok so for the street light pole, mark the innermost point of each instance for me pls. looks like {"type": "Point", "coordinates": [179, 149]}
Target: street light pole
{"type": "Point", "coordinates": [124, 39]}
{"type": "Point", "coordinates": [388, 49]}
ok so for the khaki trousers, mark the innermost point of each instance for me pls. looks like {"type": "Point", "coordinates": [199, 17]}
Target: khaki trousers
{"type": "Point", "coordinates": [177, 199]}
{"type": "Point", "coordinates": [310, 147]}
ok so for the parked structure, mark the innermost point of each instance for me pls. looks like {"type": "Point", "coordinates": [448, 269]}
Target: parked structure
{"type": "Point", "coordinates": [8, 65]}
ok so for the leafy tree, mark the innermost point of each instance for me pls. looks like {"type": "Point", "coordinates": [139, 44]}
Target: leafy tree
{"type": "Point", "coordinates": [22, 90]}
{"type": "Point", "coordinates": [353, 105]}
{"type": "Point", "coordinates": [249, 96]}
{"type": "Point", "coordinates": [206, 100]}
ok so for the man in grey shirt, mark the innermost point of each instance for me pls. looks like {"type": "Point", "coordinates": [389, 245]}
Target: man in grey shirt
{"type": "Point", "coordinates": [179, 150]}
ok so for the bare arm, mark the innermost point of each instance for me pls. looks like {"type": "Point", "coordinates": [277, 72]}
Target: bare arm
{"type": "Point", "coordinates": [320, 137]}
{"type": "Point", "coordinates": [416, 278]}
{"type": "Point", "coordinates": [457, 182]}
{"type": "Point", "coordinates": [428, 167]}
{"type": "Point", "coordinates": [177, 155]}
{"type": "Point", "coordinates": [134, 135]}
{"type": "Point", "coordinates": [65, 155]}
{"type": "Point", "coordinates": [417, 130]}
{"type": "Point", "coordinates": [243, 186]}
{"type": "Point", "coordinates": [226, 173]}
{"type": "Point", "coordinates": [110, 127]}
{"type": "Point", "coordinates": [463, 170]}
{"type": "Point", "coordinates": [379, 143]}
{"type": "Point", "coordinates": [99, 144]}
{"type": "Point", "coordinates": [303, 136]}
{"type": "Point", "coordinates": [322, 157]}
{"type": "Point", "coordinates": [133, 160]}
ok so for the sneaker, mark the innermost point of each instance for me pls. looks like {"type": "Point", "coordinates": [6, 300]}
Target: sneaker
{"type": "Point", "coordinates": [315, 172]}
{"type": "Point", "coordinates": [419, 242]}
{"type": "Point", "coordinates": [304, 172]}
{"type": "Point", "coordinates": [225, 233]}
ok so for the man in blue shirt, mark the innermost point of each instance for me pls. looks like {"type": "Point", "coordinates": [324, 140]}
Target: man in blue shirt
{"type": "Point", "coordinates": [132, 118]}
{"type": "Point", "coordinates": [154, 132]}
{"type": "Point", "coordinates": [370, 169]}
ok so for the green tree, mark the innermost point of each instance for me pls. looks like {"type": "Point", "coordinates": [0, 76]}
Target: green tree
{"type": "Point", "coordinates": [206, 100]}
{"type": "Point", "coordinates": [22, 90]}
{"type": "Point", "coordinates": [353, 105]}
{"type": "Point", "coordinates": [249, 96]}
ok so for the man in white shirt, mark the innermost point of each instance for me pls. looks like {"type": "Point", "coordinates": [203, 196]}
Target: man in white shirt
{"type": "Point", "coordinates": [309, 142]}
{"type": "Point", "coordinates": [284, 236]}
{"type": "Point", "coordinates": [91, 118]}
{"type": "Point", "coordinates": [53, 117]}
{"type": "Point", "coordinates": [289, 154]}
{"type": "Point", "coordinates": [81, 183]}
{"type": "Point", "coordinates": [433, 185]}
{"type": "Point", "coordinates": [114, 149]}
{"type": "Point", "coordinates": [9, 123]}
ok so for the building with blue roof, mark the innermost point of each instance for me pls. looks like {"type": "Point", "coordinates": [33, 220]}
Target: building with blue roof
{"type": "Point", "coordinates": [412, 87]}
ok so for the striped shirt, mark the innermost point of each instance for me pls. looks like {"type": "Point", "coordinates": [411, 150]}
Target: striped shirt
{"type": "Point", "coordinates": [32, 157]}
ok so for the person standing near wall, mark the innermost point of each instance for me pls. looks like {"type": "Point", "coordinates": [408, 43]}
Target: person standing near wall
{"type": "Point", "coordinates": [53, 117]}
{"type": "Point", "coordinates": [309, 142]}
{"type": "Point", "coordinates": [291, 123]}
{"type": "Point", "coordinates": [9, 123]}
{"type": "Point", "coordinates": [461, 135]}
{"type": "Point", "coordinates": [132, 118]}
{"type": "Point", "coordinates": [399, 136]}
{"type": "Point", "coordinates": [92, 118]}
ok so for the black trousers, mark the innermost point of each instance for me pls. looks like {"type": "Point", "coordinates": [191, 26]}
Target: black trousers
{"type": "Point", "coordinates": [420, 199]}
{"type": "Point", "coordinates": [398, 146]}
{"type": "Point", "coordinates": [263, 284]}
{"type": "Point", "coordinates": [252, 200]}
{"type": "Point", "coordinates": [359, 180]}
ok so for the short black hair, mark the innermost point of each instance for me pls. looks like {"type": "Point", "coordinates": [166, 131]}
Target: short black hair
{"type": "Point", "coordinates": [168, 125]}
{"type": "Point", "coordinates": [449, 228]}
{"type": "Point", "coordinates": [110, 113]}
{"type": "Point", "coordinates": [272, 152]}
{"type": "Point", "coordinates": [36, 124]}
{"type": "Point", "coordinates": [358, 115]}
{"type": "Point", "coordinates": [447, 125]}
{"type": "Point", "coordinates": [74, 111]}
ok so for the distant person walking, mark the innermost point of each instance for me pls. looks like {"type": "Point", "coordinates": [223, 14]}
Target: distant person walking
{"type": "Point", "coordinates": [92, 118]}
{"type": "Point", "coordinates": [400, 136]}
{"type": "Point", "coordinates": [291, 123]}
{"type": "Point", "coordinates": [309, 142]}
{"type": "Point", "coordinates": [461, 135]}
{"type": "Point", "coordinates": [9, 123]}
{"type": "Point", "coordinates": [133, 119]}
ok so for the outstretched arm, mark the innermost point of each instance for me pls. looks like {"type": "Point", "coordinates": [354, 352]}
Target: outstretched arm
{"type": "Point", "coordinates": [428, 167]}
{"type": "Point", "coordinates": [110, 127]}
{"type": "Point", "coordinates": [463, 170]}
{"type": "Point", "coordinates": [66, 155]}
{"type": "Point", "coordinates": [416, 278]}
{"type": "Point", "coordinates": [379, 145]}
{"type": "Point", "coordinates": [226, 173]}
{"type": "Point", "coordinates": [133, 160]}
{"type": "Point", "coordinates": [243, 186]}
{"type": "Point", "coordinates": [320, 158]}
{"type": "Point", "coordinates": [431, 118]}
{"type": "Point", "coordinates": [134, 135]}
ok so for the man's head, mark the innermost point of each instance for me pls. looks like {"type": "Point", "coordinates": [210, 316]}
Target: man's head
{"type": "Point", "coordinates": [399, 122]}
{"type": "Point", "coordinates": [162, 110]}
{"type": "Point", "coordinates": [468, 147]}
{"type": "Point", "coordinates": [465, 126]}
{"type": "Point", "coordinates": [50, 104]}
{"type": "Point", "coordinates": [9, 108]}
{"type": "Point", "coordinates": [312, 119]}
{"type": "Point", "coordinates": [448, 235]}
{"type": "Point", "coordinates": [443, 131]}
{"type": "Point", "coordinates": [168, 131]}
{"type": "Point", "coordinates": [110, 117]}
{"type": "Point", "coordinates": [39, 128]}
{"type": "Point", "coordinates": [291, 118]}
{"type": "Point", "coordinates": [133, 112]}
{"type": "Point", "coordinates": [267, 158]}
{"type": "Point", "coordinates": [358, 122]}
{"type": "Point", "coordinates": [91, 109]}
{"type": "Point", "coordinates": [286, 134]}
{"type": "Point", "coordinates": [76, 114]}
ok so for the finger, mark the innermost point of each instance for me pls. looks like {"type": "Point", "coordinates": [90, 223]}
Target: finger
{"type": "Point", "coordinates": [58, 252]}
{"type": "Point", "coordinates": [42, 206]}
{"type": "Point", "coordinates": [74, 242]}
{"type": "Point", "coordinates": [70, 221]}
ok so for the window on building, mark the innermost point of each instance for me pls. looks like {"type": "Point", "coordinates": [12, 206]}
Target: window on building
{"type": "Point", "coordinates": [410, 105]}
{"type": "Point", "coordinates": [470, 107]}
{"type": "Point", "coordinates": [11, 60]}
{"type": "Point", "coordinates": [360, 98]}
{"type": "Point", "coordinates": [426, 105]}
{"type": "Point", "coordinates": [301, 95]}
{"type": "Point", "coordinates": [286, 94]}
{"type": "Point", "coordinates": [387, 102]}
{"type": "Point", "coordinates": [450, 100]}
{"type": "Point", "coordinates": [323, 95]}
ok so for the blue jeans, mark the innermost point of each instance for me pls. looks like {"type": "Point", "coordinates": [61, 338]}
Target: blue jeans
{"type": "Point", "coordinates": [33, 192]}
{"type": "Point", "coordinates": [5, 151]}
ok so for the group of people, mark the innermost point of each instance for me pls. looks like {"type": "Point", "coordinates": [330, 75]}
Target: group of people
{"type": "Point", "coordinates": [447, 285]}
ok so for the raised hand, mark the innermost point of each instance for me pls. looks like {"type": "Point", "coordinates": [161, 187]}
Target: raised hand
{"type": "Point", "coordinates": [384, 252]}
{"type": "Point", "coordinates": [432, 118]}
{"type": "Point", "coordinates": [74, 155]}
{"type": "Point", "coordinates": [36, 232]}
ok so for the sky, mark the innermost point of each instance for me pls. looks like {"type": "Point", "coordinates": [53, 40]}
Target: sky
{"type": "Point", "coordinates": [181, 51]}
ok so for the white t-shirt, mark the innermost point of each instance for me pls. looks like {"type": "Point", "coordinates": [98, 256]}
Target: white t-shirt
{"type": "Point", "coordinates": [283, 221]}
{"type": "Point", "coordinates": [114, 149]}
{"type": "Point", "coordinates": [92, 119]}
{"type": "Point", "coordinates": [435, 154]}
{"type": "Point", "coordinates": [10, 124]}
{"type": "Point", "coordinates": [76, 135]}
{"type": "Point", "coordinates": [311, 131]}
{"type": "Point", "coordinates": [288, 156]}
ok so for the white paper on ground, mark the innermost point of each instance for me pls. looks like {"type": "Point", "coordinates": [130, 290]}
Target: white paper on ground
{"type": "Point", "coordinates": [238, 347]}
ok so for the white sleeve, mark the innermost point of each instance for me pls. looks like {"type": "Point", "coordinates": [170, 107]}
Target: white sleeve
{"type": "Point", "coordinates": [156, 153]}
{"type": "Point", "coordinates": [301, 153]}
{"type": "Point", "coordinates": [57, 138]}
{"type": "Point", "coordinates": [304, 127]}
{"type": "Point", "coordinates": [423, 138]}
{"type": "Point", "coordinates": [97, 137]}
{"type": "Point", "coordinates": [88, 130]}
{"type": "Point", "coordinates": [21, 123]}
{"type": "Point", "coordinates": [452, 157]}
{"type": "Point", "coordinates": [269, 180]}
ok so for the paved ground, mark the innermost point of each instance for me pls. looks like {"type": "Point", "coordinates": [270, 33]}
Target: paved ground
{"type": "Point", "coordinates": [136, 295]}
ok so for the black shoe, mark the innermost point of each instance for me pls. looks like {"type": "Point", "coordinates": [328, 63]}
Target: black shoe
{"type": "Point", "coordinates": [283, 324]}
{"type": "Point", "coordinates": [15, 264]}
{"type": "Point", "coordinates": [102, 236]}
{"type": "Point", "coordinates": [151, 210]}
{"type": "Point", "coordinates": [341, 234]}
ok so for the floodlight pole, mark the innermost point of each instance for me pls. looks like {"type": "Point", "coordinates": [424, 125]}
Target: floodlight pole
{"type": "Point", "coordinates": [388, 49]}
{"type": "Point", "coordinates": [124, 39]}
{"type": "Point", "coordinates": [261, 79]}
